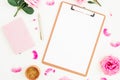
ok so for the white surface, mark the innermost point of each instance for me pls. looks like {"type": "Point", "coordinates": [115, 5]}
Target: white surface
{"type": "Point", "coordinates": [48, 13]}
{"type": "Point", "coordinates": [73, 39]}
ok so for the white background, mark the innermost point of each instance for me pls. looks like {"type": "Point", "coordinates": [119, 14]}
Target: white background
{"type": "Point", "coordinates": [9, 60]}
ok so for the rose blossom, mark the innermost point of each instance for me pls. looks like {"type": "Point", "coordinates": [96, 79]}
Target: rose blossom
{"type": "Point", "coordinates": [32, 3]}
{"type": "Point", "coordinates": [110, 65]}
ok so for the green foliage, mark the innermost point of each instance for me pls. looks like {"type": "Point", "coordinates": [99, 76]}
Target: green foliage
{"type": "Point", "coordinates": [91, 2]}
{"type": "Point", "coordinates": [94, 2]}
{"type": "Point", "coordinates": [13, 2]}
{"type": "Point", "coordinates": [28, 10]}
{"type": "Point", "coordinates": [21, 4]}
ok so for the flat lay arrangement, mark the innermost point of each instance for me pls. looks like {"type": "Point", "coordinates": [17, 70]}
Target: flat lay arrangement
{"type": "Point", "coordinates": [59, 40]}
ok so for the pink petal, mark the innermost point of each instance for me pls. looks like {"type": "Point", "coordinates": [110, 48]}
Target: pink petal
{"type": "Point", "coordinates": [80, 1]}
{"type": "Point", "coordinates": [106, 33]}
{"type": "Point", "coordinates": [16, 70]}
{"type": "Point", "coordinates": [110, 14]}
{"type": "Point", "coordinates": [33, 3]}
{"type": "Point", "coordinates": [103, 79]}
{"type": "Point", "coordinates": [50, 2]}
{"type": "Point", "coordinates": [35, 54]}
{"type": "Point", "coordinates": [48, 70]}
{"type": "Point", "coordinates": [34, 19]}
{"type": "Point", "coordinates": [36, 28]}
{"type": "Point", "coordinates": [64, 78]}
{"type": "Point", "coordinates": [117, 44]}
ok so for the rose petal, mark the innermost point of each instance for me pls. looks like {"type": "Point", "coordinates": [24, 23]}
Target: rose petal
{"type": "Point", "coordinates": [50, 2]}
{"type": "Point", "coordinates": [32, 3]}
{"type": "Point", "coordinates": [103, 79]}
{"type": "Point", "coordinates": [34, 19]}
{"type": "Point", "coordinates": [16, 70]}
{"type": "Point", "coordinates": [80, 1]}
{"type": "Point", "coordinates": [48, 70]}
{"type": "Point", "coordinates": [106, 33]}
{"type": "Point", "coordinates": [110, 14]}
{"type": "Point", "coordinates": [117, 44]}
{"type": "Point", "coordinates": [35, 54]}
{"type": "Point", "coordinates": [64, 78]}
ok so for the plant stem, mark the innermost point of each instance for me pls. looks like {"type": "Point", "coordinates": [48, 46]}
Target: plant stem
{"type": "Point", "coordinates": [17, 11]}
{"type": "Point", "coordinates": [97, 2]}
{"type": "Point", "coordinates": [23, 4]}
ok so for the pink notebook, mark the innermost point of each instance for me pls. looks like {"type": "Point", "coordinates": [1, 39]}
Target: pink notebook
{"type": "Point", "coordinates": [18, 36]}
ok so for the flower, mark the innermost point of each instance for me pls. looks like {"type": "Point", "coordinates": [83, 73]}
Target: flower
{"type": "Point", "coordinates": [32, 3]}
{"type": "Point", "coordinates": [110, 65]}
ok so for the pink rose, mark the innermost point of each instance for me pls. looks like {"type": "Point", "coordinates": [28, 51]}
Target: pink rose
{"type": "Point", "coordinates": [32, 3]}
{"type": "Point", "coordinates": [110, 65]}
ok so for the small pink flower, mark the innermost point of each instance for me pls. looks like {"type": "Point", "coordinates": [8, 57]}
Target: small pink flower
{"type": "Point", "coordinates": [80, 1]}
{"type": "Point", "coordinates": [32, 3]}
{"type": "Point", "coordinates": [110, 65]}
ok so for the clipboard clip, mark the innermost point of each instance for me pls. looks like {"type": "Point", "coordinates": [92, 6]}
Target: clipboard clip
{"type": "Point", "coordinates": [83, 11]}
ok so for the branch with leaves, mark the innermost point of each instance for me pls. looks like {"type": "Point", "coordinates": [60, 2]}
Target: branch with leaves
{"type": "Point", "coordinates": [21, 4]}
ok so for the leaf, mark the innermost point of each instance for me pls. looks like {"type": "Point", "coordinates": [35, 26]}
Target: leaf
{"type": "Point", "coordinates": [13, 2]}
{"type": "Point", "coordinates": [19, 2]}
{"type": "Point", "coordinates": [91, 2]}
{"type": "Point", "coordinates": [28, 10]}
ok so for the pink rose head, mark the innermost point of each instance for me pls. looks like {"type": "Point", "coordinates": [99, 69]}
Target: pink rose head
{"type": "Point", "coordinates": [110, 65]}
{"type": "Point", "coordinates": [32, 3]}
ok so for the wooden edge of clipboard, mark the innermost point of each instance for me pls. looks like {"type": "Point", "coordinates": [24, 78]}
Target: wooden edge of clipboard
{"type": "Point", "coordinates": [56, 66]}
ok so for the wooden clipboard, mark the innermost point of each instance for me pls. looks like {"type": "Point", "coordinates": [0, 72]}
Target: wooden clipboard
{"type": "Point", "coordinates": [73, 39]}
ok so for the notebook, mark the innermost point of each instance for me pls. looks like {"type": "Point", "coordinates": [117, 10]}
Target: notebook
{"type": "Point", "coordinates": [73, 39]}
{"type": "Point", "coordinates": [18, 36]}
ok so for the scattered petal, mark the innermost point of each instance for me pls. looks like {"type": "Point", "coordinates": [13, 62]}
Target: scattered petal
{"type": "Point", "coordinates": [103, 79]}
{"type": "Point", "coordinates": [110, 14]}
{"type": "Point", "coordinates": [117, 44]}
{"type": "Point", "coordinates": [106, 33]}
{"type": "Point", "coordinates": [80, 1]}
{"type": "Point", "coordinates": [34, 19]}
{"type": "Point", "coordinates": [35, 54]}
{"type": "Point", "coordinates": [50, 2]}
{"type": "Point", "coordinates": [36, 28]}
{"type": "Point", "coordinates": [64, 78]}
{"type": "Point", "coordinates": [16, 70]}
{"type": "Point", "coordinates": [48, 70]}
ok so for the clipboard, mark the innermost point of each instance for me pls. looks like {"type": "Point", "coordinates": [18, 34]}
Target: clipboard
{"type": "Point", "coordinates": [73, 39]}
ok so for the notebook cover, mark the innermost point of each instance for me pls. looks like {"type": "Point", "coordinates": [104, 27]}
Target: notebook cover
{"type": "Point", "coordinates": [18, 36]}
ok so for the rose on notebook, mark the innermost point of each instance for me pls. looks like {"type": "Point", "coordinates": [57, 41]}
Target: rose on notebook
{"type": "Point", "coordinates": [25, 5]}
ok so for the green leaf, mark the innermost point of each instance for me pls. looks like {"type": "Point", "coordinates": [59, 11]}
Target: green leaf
{"type": "Point", "coordinates": [19, 2]}
{"type": "Point", "coordinates": [91, 2]}
{"type": "Point", "coordinates": [28, 10]}
{"type": "Point", "coordinates": [13, 2]}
